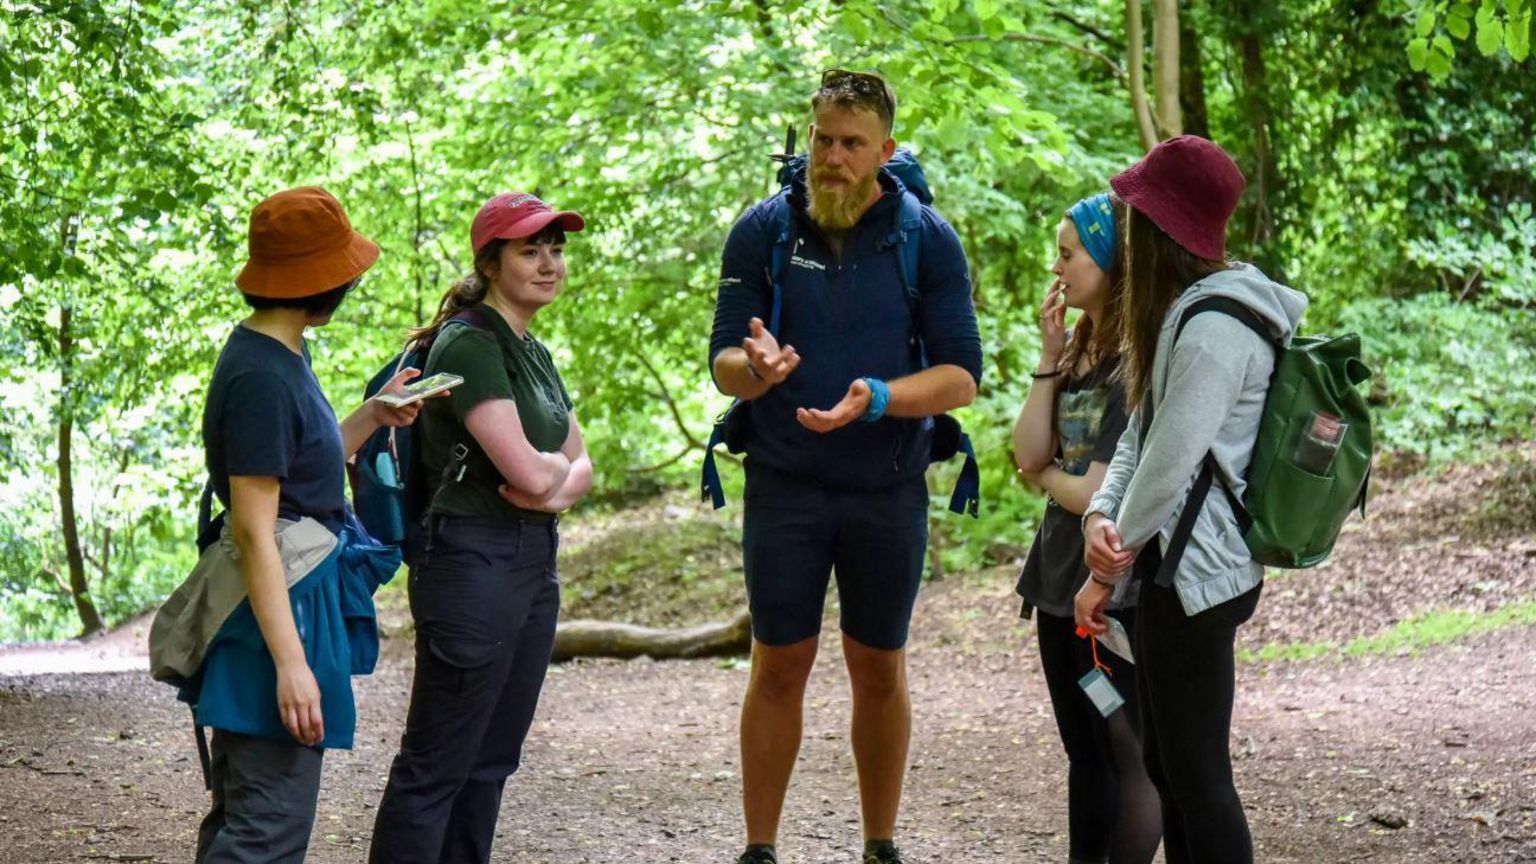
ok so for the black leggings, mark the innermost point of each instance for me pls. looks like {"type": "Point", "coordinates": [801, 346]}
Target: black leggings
{"type": "Point", "coordinates": [1112, 807]}
{"type": "Point", "coordinates": [1185, 674]}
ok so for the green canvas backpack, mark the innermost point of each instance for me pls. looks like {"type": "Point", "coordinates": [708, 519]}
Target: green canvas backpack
{"type": "Point", "coordinates": [1311, 462]}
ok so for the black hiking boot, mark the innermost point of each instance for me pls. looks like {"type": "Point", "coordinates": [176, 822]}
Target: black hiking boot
{"type": "Point", "coordinates": [885, 853]}
{"type": "Point", "coordinates": [758, 855]}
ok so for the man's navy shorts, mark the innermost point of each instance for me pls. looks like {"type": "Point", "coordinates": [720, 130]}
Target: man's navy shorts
{"type": "Point", "coordinates": [796, 533]}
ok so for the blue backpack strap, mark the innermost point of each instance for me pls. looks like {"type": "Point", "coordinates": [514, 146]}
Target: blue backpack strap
{"type": "Point", "coordinates": [967, 495]}
{"type": "Point", "coordinates": [782, 230]}
{"type": "Point", "coordinates": [908, 234]}
{"type": "Point", "coordinates": [710, 485]}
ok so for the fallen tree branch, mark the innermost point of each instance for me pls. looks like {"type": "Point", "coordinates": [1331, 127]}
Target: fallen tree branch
{"type": "Point", "coordinates": [612, 639]}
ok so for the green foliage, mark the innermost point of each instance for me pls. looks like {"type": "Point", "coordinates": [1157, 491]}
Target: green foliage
{"type": "Point", "coordinates": [671, 569]}
{"type": "Point", "coordinates": [137, 135]}
{"type": "Point", "coordinates": [1451, 378]}
{"type": "Point", "coordinates": [1500, 27]}
{"type": "Point", "coordinates": [1415, 634]}
{"type": "Point", "coordinates": [1499, 264]}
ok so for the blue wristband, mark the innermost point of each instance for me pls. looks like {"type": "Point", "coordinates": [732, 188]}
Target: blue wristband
{"type": "Point", "coordinates": [879, 397]}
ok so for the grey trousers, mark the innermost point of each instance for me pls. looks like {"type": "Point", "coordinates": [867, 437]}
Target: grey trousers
{"type": "Point", "coordinates": [264, 797]}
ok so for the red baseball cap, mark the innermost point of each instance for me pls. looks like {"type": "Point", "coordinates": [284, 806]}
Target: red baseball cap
{"type": "Point", "coordinates": [515, 215]}
{"type": "Point", "coordinates": [1189, 187]}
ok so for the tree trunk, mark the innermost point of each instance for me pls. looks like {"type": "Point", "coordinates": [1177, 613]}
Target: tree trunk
{"type": "Point", "coordinates": [611, 639]}
{"type": "Point", "coordinates": [1192, 77]}
{"type": "Point", "coordinates": [90, 619]}
{"type": "Point", "coordinates": [1165, 68]}
{"type": "Point", "coordinates": [1135, 65]}
{"type": "Point", "coordinates": [1260, 222]}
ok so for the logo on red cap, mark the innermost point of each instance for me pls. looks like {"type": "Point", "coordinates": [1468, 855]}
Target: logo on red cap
{"type": "Point", "coordinates": [513, 215]}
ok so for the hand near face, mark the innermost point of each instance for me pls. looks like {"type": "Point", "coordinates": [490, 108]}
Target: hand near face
{"type": "Point", "coordinates": [1053, 325]}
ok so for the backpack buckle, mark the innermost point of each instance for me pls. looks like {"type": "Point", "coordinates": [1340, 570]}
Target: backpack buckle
{"type": "Point", "coordinates": [459, 454]}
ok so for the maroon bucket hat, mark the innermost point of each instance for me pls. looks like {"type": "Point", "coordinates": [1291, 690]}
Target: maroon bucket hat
{"type": "Point", "coordinates": [1189, 187]}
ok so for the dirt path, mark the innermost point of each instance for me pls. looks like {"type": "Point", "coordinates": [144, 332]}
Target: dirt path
{"type": "Point", "coordinates": [636, 762]}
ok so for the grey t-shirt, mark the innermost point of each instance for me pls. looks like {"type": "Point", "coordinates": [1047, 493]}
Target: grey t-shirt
{"type": "Point", "coordinates": [1090, 415]}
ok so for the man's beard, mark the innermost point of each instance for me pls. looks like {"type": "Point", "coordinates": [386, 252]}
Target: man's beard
{"type": "Point", "coordinates": [838, 208]}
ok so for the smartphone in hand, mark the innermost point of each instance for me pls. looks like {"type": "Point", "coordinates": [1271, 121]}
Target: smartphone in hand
{"type": "Point", "coordinates": [421, 389]}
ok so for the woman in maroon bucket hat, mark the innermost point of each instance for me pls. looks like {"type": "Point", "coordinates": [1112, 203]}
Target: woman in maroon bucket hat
{"type": "Point", "coordinates": [1198, 382]}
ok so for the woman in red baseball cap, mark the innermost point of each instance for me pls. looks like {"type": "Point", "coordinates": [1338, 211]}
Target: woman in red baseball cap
{"type": "Point", "coordinates": [1198, 348]}
{"type": "Point", "coordinates": [275, 682]}
{"type": "Point", "coordinates": [502, 457]}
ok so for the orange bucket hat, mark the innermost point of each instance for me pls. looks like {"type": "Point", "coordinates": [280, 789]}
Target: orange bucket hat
{"type": "Point", "coordinates": [301, 243]}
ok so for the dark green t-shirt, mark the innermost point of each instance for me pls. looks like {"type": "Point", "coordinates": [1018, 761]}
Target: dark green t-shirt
{"type": "Point", "coordinates": [495, 364]}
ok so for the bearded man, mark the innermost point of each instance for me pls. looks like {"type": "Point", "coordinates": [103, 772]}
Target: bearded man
{"type": "Point", "coordinates": [839, 442]}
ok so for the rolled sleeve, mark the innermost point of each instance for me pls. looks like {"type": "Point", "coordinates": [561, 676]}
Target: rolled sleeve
{"type": "Point", "coordinates": [474, 356]}
{"type": "Point", "coordinates": [946, 315]}
{"type": "Point", "coordinates": [744, 291]}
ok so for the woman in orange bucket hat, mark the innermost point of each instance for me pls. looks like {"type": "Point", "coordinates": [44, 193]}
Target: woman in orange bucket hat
{"type": "Point", "coordinates": [275, 684]}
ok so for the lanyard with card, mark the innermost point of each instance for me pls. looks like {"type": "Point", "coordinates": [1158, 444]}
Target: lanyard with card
{"type": "Point", "coordinates": [1096, 683]}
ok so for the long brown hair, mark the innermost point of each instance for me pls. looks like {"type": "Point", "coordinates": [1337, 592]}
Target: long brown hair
{"type": "Point", "coordinates": [1099, 341]}
{"type": "Point", "coordinates": [462, 294]}
{"type": "Point", "coordinates": [1157, 271]}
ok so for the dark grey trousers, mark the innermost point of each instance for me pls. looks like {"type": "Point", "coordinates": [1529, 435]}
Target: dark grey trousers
{"type": "Point", "coordinates": [485, 597]}
{"type": "Point", "coordinates": [264, 797]}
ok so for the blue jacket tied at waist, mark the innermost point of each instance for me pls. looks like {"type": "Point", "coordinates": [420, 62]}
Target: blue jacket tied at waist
{"type": "Point", "coordinates": [236, 689]}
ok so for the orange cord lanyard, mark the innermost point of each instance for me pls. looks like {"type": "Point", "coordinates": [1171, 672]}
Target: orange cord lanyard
{"type": "Point", "coordinates": [1082, 633]}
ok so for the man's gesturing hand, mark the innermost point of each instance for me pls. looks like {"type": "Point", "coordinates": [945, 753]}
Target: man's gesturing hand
{"type": "Point", "coordinates": [851, 408]}
{"type": "Point", "coordinates": [766, 359]}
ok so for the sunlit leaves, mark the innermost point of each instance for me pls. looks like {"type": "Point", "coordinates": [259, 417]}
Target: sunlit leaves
{"type": "Point", "coordinates": [1499, 25]}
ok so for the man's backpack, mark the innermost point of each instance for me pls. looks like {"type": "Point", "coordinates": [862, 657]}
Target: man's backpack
{"type": "Point", "coordinates": [1311, 462]}
{"type": "Point", "coordinates": [733, 426]}
{"type": "Point", "coordinates": [388, 490]}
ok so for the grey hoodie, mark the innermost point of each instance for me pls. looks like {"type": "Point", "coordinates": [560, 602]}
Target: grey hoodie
{"type": "Point", "coordinates": [1208, 396]}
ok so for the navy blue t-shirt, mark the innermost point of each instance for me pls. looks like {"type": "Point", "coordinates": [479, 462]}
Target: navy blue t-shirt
{"type": "Point", "coordinates": [848, 316]}
{"type": "Point", "coordinates": [267, 417]}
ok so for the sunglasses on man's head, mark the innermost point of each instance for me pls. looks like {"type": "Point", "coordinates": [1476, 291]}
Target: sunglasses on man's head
{"type": "Point", "coordinates": [863, 83]}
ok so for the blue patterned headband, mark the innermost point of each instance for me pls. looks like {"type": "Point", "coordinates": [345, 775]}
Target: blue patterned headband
{"type": "Point", "coordinates": [1095, 221]}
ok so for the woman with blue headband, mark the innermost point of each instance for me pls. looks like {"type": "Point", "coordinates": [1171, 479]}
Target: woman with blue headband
{"type": "Point", "coordinates": [1063, 442]}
